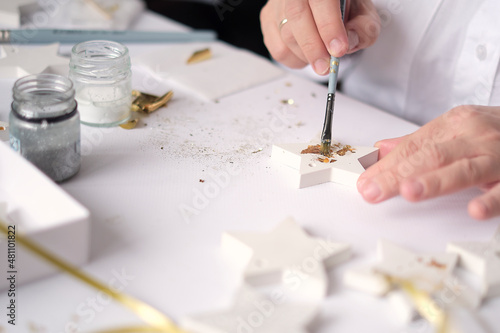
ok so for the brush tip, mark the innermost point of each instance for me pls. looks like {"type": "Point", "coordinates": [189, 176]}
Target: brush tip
{"type": "Point", "coordinates": [325, 148]}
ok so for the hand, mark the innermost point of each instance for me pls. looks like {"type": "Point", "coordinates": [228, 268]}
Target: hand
{"type": "Point", "coordinates": [458, 150]}
{"type": "Point", "coordinates": [314, 30]}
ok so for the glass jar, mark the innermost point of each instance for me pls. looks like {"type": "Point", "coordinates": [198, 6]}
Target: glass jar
{"type": "Point", "coordinates": [100, 71]}
{"type": "Point", "coordinates": [45, 124]}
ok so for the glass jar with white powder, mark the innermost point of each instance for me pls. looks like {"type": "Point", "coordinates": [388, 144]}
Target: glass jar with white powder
{"type": "Point", "coordinates": [100, 71]}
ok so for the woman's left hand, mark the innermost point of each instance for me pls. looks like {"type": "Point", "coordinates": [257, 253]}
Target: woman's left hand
{"type": "Point", "coordinates": [455, 151]}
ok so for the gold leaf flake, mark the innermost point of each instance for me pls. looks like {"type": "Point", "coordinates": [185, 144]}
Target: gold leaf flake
{"type": "Point", "coordinates": [200, 55]}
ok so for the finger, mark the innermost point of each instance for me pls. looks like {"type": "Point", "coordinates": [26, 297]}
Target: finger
{"type": "Point", "coordinates": [380, 182]}
{"type": "Point", "coordinates": [486, 206]}
{"type": "Point", "coordinates": [273, 40]}
{"type": "Point", "coordinates": [363, 26]}
{"type": "Point", "coordinates": [303, 27]}
{"type": "Point", "coordinates": [417, 153]}
{"type": "Point", "coordinates": [459, 175]}
{"type": "Point", "coordinates": [380, 188]}
{"type": "Point", "coordinates": [388, 145]}
{"type": "Point", "coordinates": [328, 18]}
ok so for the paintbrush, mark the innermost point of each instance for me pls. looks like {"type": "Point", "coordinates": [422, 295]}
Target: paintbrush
{"type": "Point", "coordinates": [326, 134]}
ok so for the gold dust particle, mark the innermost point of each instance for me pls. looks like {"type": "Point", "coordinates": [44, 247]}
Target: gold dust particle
{"type": "Point", "coordinates": [341, 151]}
{"type": "Point", "coordinates": [324, 160]}
{"type": "Point", "coordinates": [202, 180]}
{"type": "Point", "coordinates": [257, 151]}
{"type": "Point", "coordinates": [130, 124]}
{"type": "Point", "coordinates": [436, 264]}
{"type": "Point", "coordinates": [288, 101]}
{"type": "Point", "coordinates": [2, 128]}
{"type": "Point", "coordinates": [161, 148]}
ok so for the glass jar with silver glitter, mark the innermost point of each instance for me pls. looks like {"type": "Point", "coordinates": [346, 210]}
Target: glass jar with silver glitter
{"type": "Point", "coordinates": [45, 124]}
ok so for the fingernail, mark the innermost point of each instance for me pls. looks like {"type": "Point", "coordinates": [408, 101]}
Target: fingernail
{"type": "Point", "coordinates": [371, 192]}
{"type": "Point", "coordinates": [360, 183]}
{"type": "Point", "coordinates": [321, 66]}
{"type": "Point", "coordinates": [353, 38]}
{"type": "Point", "coordinates": [337, 48]}
{"type": "Point", "coordinates": [415, 189]}
{"type": "Point", "coordinates": [478, 209]}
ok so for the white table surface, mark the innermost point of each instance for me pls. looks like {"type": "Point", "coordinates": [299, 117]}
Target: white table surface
{"type": "Point", "coordinates": [134, 189]}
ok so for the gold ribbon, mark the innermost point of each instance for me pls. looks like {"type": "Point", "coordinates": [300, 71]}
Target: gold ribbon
{"type": "Point", "coordinates": [156, 320]}
{"type": "Point", "coordinates": [425, 305]}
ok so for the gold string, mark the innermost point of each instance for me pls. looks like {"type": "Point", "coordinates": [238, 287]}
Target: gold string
{"type": "Point", "coordinates": [158, 321]}
{"type": "Point", "coordinates": [425, 305]}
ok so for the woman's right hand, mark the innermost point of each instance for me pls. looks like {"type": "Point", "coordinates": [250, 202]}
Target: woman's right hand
{"type": "Point", "coordinates": [314, 30]}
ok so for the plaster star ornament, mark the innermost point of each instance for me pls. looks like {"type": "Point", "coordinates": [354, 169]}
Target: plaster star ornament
{"type": "Point", "coordinates": [253, 313]}
{"type": "Point", "coordinates": [10, 11]}
{"type": "Point", "coordinates": [311, 171]}
{"type": "Point", "coordinates": [426, 272]}
{"type": "Point", "coordinates": [366, 279]}
{"type": "Point", "coordinates": [19, 62]}
{"type": "Point", "coordinates": [286, 254]}
{"type": "Point", "coordinates": [483, 259]}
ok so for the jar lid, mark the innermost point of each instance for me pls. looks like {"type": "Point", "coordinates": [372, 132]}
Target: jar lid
{"type": "Point", "coordinates": [43, 96]}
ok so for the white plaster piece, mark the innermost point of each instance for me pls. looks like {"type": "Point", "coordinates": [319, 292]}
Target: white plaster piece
{"type": "Point", "coordinates": [483, 259]}
{"type": "Point", "coordinates": [22, 61]}
{"type": "Point", "coordinates": [367, 280]}
{"type": "Point", "coordinates": [345, 170]}
{"type": "Point", "coordinates": [288, 254]}
{"type": "Point", "coordinates": [228, 71]}
{"type": "Point", "coordinates": [426, 271]}
{"type": "Point", "coordinates": [463, 320]}
{"type": "Point", "coordinates": [10, 12]}
{"type": "Point", "coordinates": [252, 312]}
{"type": "Point", "coordinates": [4, 131]}
{"type": "Point", "coordinates": [402, 306]}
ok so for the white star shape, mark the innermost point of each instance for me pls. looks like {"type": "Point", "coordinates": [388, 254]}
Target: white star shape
{"type": "Point", "coordinates": [252, 312]}
{"type": "Point", "coordinates": [19, 62]}
{"type": "Point", "coordinates": [483, 259]}
{"type": "Point", "coordinates": [310, 171]}
{"type": "Point", "coordinates": [288, 254]}
{"type": "Point", "coordinates": [427, 272]}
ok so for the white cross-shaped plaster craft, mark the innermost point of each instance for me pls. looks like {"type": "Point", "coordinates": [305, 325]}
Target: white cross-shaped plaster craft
{"type": "Point", "coordinates": [287, 254]}
{"type": "Point", "coordinates": [255, 313]}
{"type": "Point", "coordinates": [483, 259]}
{"type": "Point", "coordinates": [18, 62]}
{"type": "Point", "coordinates": [311, 171]}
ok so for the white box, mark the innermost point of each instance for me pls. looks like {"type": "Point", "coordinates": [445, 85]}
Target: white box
{"type": "Point", "coordinates": [41, 210]}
